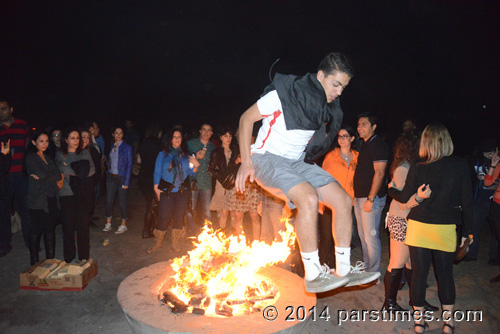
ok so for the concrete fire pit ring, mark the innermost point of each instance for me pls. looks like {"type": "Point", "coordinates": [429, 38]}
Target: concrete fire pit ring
{"type": "Point", "coordinates": [138, 298]}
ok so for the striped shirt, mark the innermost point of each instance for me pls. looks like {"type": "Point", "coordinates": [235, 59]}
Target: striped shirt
{"type": "Point", "coordinates": [18, 135]}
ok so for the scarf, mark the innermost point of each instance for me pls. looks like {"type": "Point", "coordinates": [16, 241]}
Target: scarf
{"type": "Point", "coordinates": [305, 108]}
{"type": "Point", "coordinates": [175, 166]}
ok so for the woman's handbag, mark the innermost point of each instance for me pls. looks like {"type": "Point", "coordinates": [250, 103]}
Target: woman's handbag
{"type": "Point", "coordinates": [463, 250]}
{"type": "Point", "coordinates": [228, 177]}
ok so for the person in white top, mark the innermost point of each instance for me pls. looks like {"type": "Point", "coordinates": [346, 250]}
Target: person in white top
{"type": "Point", "coordinates": [294, 113]}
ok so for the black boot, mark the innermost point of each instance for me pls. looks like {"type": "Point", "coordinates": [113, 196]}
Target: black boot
{"type": "Point", "coordinates": [49, 240]}
{"type": "Point", "coordinates": [34, 247]}
{"type": "Point", "coordinates": [147, 231]}
{"type": "Point", "coordinates": [427, 307]}
{"type": "Point", "coordinates": [392, 280]}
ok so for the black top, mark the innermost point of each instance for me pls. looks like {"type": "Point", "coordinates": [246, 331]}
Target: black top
{"type": "Point", "coordinates": [4, 170]}
{"type": "Point", "coordinates": [48, 174]}
{"type": "Point", "coordinates": [451, 198]}
{"type": "Point", "coordinates": [148, 151]}
{"type": "Point", "coordinates": [373, 150]}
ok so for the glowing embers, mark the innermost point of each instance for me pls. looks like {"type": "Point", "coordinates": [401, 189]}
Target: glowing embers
{"type": "Point", "coordinates": [219, 277]}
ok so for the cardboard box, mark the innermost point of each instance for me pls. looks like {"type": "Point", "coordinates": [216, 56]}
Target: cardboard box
{"type": "Point", "coordinates": [29, 281]}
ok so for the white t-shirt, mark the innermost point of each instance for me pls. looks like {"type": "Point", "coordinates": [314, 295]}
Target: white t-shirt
{"type": "Point", "coordinates": [273, 137]}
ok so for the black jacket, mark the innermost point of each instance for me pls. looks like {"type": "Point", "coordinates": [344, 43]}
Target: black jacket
{"type": "Point", "coordinates": [220, 170]}
{"type": "Point", "coordinates": [305, 107]}
{"type": "Point", "coordinates": [451, 198]}
{"type": "Point", "coordinates": [4, 170]}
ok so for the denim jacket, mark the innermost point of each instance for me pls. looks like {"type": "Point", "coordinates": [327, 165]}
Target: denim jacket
{"type": "Point", "coordinates": [125, 162]}
{"type": "Point", "coordinates": [161, 169]}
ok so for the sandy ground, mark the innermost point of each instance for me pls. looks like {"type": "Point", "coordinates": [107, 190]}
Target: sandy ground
{"type": "Point", "coordinates": [96, 309]}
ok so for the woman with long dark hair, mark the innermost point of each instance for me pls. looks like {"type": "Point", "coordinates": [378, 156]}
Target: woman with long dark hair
{"type": "Point", "coordinates": [172, 188]}
{"type": "Point", "coordinates": [77, 166]}
{"type": "Point", "coordinates": [119, 173]}
{"type": "Point", "coordinates": [405, 153]}
{"type": "Point", "coordinates": [42, 190]}
{"type": "Point", "coordinates": [431, 228]}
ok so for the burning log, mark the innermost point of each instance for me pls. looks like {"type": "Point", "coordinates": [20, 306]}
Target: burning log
{"type": "Point", "coordinates": [223, 309]}
{"type": "Point", "coordinates": [198, 311]}
{"type": "Point", "coordinates": [250, 300]}
{"type": "Point", "coordinates": [178, 305]}
{"type": "Point", "coordinates": [198, 290]}
{"type": "Point", "coordinates": [196, 301]}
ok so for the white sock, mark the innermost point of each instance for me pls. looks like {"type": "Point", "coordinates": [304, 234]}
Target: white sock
{"type": "Point", "coordinates": [342, 260]}
{"type": "Point", "coordinates": [311, 265]}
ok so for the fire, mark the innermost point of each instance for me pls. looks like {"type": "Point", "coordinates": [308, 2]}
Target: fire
{"type": "Point", "coordinates": [223, 271]}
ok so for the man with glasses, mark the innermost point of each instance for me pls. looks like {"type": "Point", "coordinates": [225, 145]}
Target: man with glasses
{"type": "Point", "coordinates": [202, 148]}
{"type": "Point", "coordinates": [16, 131]}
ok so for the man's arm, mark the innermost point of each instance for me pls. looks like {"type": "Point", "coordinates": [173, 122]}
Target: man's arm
{"type": "Point", "coordinates": [379, 168]}
{"type": "Point", "coordinates": [247, 120]}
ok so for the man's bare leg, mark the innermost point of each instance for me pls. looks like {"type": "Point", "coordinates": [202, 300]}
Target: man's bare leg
{"type": "Point", "coordinates": [335, 197]}
{"type": "Point", "coordinates": [317, 279]}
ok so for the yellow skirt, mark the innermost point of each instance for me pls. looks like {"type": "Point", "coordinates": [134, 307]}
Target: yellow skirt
{"type": "Point", "coordinates": [432, 236]}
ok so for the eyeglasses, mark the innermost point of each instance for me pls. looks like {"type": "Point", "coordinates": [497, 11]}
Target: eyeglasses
{"type": "Point", "coordinates": [344, 137]}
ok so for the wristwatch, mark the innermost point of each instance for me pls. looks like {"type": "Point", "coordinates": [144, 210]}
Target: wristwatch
{"type": "Point", "coordinates": [371, 200]}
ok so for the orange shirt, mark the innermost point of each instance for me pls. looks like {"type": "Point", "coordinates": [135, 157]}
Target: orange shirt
{"type": "Point", "coordinates": [338, 168]}
{"type": "Point", "coordinates": [490, 180]}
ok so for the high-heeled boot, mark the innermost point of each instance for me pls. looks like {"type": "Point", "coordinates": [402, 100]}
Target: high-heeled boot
{"type": "Point", "coordinates": [427, 306]}
{"type": "Point", "coordinates": [49, 240]}
{"type": "Point", "coordinates": [159, 236]}
{"type": "Point", "coordinates": [34, 247]}
{"type": "Point", "coordinates": [392, 279]}
{"type": "Point", "coordinates": [147, 230]}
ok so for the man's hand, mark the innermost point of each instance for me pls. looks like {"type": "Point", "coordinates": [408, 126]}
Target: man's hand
{"type": "Point", "coordinates": [246, 170]}
{"type": "Point", "coordinates": [6, 147]}
{"type": "Point", "coordinates": [201, 153]}
{"type": "Point", "coordinates": [125, 187]}
{"type": "Point", "coordinates": [368, 206]}
{"type": "Point", "coordinates": [194, 161]}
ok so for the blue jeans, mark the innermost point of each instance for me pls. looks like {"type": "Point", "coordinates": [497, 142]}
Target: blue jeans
{"type": "Point", "coordinates": [17, 189]}
{"type": "Point", "coordinates": [175, 206]}
{"type": "Point", "coordinates": [114, 187]}
{"type": "Point", "coordinates": [368, 230]}
{"type": "Point", "coordinates": [204, 196]}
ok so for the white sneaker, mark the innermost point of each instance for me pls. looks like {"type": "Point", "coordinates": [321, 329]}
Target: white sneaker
{"type": "Point", "coordinates": [325, 281]}
{"type": "Point", "coordinates": [107, 227]}
{"type": "Point", "coordinates": [121, 229]}
{"type": "Point", "coordinates": [358, 275]}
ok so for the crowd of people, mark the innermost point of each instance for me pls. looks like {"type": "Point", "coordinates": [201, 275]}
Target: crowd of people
{"type": "Point", "coordinates": [438, 200]}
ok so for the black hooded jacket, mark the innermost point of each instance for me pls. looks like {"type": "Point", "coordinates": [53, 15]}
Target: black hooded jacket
{"type": "Point", "coordinates": [305, 108]}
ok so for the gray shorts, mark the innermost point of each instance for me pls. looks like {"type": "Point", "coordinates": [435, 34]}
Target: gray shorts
{"type": "Point", "coordinates": [278, 174]}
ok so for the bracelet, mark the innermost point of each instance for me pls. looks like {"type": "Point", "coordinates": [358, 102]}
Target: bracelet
{"type": "Point", "coordinates": [493, 166]}
{"type": "Point", "coordinates": [418, 199]}
{"type": "Point", "coordinates": [371, 200]}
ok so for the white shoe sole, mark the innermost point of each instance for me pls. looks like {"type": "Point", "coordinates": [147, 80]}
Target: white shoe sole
{"type": "Point", "coordinates": [366, 280]}
{"type": "Point", "coordinates": [339, 282]}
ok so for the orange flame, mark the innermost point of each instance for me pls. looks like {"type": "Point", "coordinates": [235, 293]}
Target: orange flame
{"type": "Point", "coordinates": [226, 267]}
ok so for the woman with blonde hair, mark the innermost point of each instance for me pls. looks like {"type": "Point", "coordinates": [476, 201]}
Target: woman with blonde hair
{"type": "Point", "coordinates": [431, 230]}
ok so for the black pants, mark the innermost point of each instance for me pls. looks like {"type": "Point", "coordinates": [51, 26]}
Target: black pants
{"type": "Point", "coordinates": [75, 216]}
{"type": "Point", "coordinates": [495, 221]}
{"type": "Point", "coordinates": [42, 221]}
{"type": "Point", "coordinates": [421, 259]}
{"type": "Point", "coordinates": [146, 188]}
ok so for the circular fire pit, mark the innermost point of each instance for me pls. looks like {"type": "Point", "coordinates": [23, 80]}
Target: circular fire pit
{"type": "Point", "coordinates": [138, 297]}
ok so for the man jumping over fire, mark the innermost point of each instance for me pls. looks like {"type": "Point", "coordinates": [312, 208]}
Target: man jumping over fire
{"type": "Point", "coordinates": [294, 109]}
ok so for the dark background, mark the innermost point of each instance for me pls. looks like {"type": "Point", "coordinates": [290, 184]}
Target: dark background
{"type": "Point", "coordinates": [185, 62]}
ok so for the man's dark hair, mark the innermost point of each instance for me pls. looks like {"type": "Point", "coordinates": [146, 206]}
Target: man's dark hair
{"type": "Point", "coordinates": [336, 62]}
{"type": "Point", "coordinates": [371, 117]}
{"type": "Point", "coordinates": [8, 104]}
{"type": "Point", "coordinates": [87, 125]}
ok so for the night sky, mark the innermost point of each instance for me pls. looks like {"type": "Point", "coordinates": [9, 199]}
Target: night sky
{"type": "Point", "coordinates": [184, 62]}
